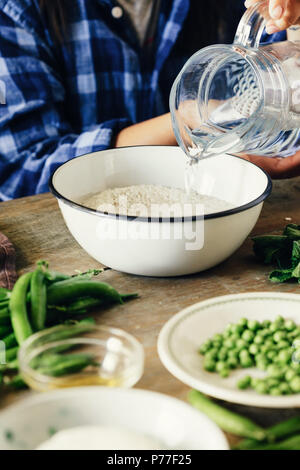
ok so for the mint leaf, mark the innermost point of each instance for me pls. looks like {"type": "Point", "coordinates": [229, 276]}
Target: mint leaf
{"type": "Point", "coordinates": [281, 275]}
{"type": "Point", "coordinates": [273, 249]}
{"type": "Point", "coordinates": [296, 271]}
{"type": "Point", "coordinates": [292, 231]}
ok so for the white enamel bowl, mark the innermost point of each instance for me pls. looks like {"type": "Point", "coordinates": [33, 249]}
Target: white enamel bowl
{"type": "Point", "coordinates": [180, 338]}
{"type": "Point", "coordinates": [160, 247]}
{"type": "Point", "coordinates": [171, 422]}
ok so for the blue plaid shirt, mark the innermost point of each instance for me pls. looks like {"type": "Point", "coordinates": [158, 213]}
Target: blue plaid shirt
{"type": "Point", "coordinates": [65, 100]}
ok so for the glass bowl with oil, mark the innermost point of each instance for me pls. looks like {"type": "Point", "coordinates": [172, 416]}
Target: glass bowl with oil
{"type": "Point", "coordinates": [81, 354]}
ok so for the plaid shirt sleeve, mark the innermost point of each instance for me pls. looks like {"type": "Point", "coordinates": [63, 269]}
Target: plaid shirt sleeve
{"type": "Point", "coordinates": [36, 137]}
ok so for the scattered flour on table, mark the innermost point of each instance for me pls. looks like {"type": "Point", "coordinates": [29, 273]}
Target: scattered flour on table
{"type": "Point", "coordinates": [148, 200]}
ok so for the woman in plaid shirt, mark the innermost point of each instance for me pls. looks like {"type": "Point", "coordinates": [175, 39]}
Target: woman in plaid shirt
{"type": "Point", "coordinates": [78, 76]}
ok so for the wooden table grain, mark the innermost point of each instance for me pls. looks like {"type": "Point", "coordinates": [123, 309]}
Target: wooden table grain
{"type": "Point", "coordinates": [37, 230]}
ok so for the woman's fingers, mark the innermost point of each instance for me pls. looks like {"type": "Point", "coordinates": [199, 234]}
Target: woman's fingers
{"type": "Point", "coordinates": [278, 168]}
{"type": "Point", "coordinates": [276, 8]}
{"type": "Point", "coordinates": [249, 3]}
{"type": "Point", "coordinates": [283, 14]}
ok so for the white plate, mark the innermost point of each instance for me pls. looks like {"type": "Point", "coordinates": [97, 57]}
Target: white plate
{"type": "Point", "coordinates": [181, 337]}
{"type": "Point", "coordinates": [170, 421]}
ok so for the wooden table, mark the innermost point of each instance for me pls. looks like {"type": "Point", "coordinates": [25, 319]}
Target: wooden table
{"type": "Point", "coordinates": [37, 229]}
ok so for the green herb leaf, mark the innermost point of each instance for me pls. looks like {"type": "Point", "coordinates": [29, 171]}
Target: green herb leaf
{"type": "Point", "coordinates": [281, 275]}
{"type": "Point", "coordinates": [273, 249]}
{"type": "Point", "coordinates": [292, 231]}
{"type": "Point", "coordinates": [296, 271]}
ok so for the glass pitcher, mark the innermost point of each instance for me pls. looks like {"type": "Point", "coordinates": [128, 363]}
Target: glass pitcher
{"type": "Point", "coordinates": [239, 98]}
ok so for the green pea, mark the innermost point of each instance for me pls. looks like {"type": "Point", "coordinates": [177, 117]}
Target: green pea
{"type": "Point", "coordinates": [264, 349]}
{"type": "Point", "coordinates": [260, 357]}
{"type": "Point", "coordinates": [254, 382]}
{"type": "Point", "coordinates": [290, 374]}
{"type": "Point", "coordinates": [224, 373]}
{"type": "Point", "coordinates": [274, 327]}
{"type": "Point", "coordinates": [248, 336]}
{"type": "Point", "coordinates": [295, 384]}
{"type": "Point", "coordinates": [261, 387]}
{"type": "Point", "coordinates": [212, 353]}
{"type": "Point", "coordinates": [275, 391]}
{"type": "Point", "coordinates": [246, 361]}
{"type": "Point", "coordinates": [295, 366]}
{"type": "Point", "coordinates": [275, 371]}
{"type": "Point", "coordinates": [253, 325]}
{"type": "Point", "coordinates": [234, 337]}
{"type": "Point", "coordinates": [265, 332]}
{"type": "Point", "coordinates": [217, 337]}
{"type": "Point", "coordinates": [243, 322]}
{"type": "Point", "coordinates": [205, 347]}
{"type": "Point", "coordinates": [272, 382]}
{"type": "Point", "coordinates": [289, 325]}
{"type": "Point", "coordinates": [295, 333]}
{"type": "Point", "coordinates": [254, 349]}
{"type": "Point", "coordinates": [284, 388]}
{"type": "Point", "coordinates": [233, 353]}
{"type": "Point", "coordinates": [244, 382]}
{"type": "Point", "coordinates": [240, 344]}
{"type": "Point", "coordinates": [232, 362]}
{"type": "Point", "coordinates": [262, 365]}
{"type": "Point", "coordinates": [271, 354]}
{"type": "Point", "coordinates": [222, 354]}
{"type": "Point", "coordinates": [283, 344]}
{"type": "Point", "coordinates": [284, 356]}
{"type": "Point", "coordinates": [278, 336]}
{"type": "Point", "coordinates": [237, 329]}
{"type": "Point", "coordinates": [266, 323]}
{"type": "Point", "coordinates": [221, 365]}
{"type": "Point", "coordinates": [258, 339]}
{"type": "Point", "coordinates": [209, 365]}
{"type": "Point", "coordinates": [229, 343]}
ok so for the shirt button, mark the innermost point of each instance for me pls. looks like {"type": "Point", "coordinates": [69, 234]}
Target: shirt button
{"type": "Point", "coordinates": [117, 12]}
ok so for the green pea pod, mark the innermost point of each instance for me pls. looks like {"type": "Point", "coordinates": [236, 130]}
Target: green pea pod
{"type": "Point", "coordinates": [58, 366]}
{"type": "Point", "coordinates": [5, 316]}
{"type": "Point", "coordinates": [225, 419]}
{"type": "Point", "coordinates": [291, 443]}
{"type": "Point", "coordinates": [53, 276]}
{"type": "Point", "coordinates": [5, 330]}
{"type": "Point", "coordinates": [4, 294]}
{"type": "Point", "coordinates": [10, 341]}
{"type": "Point", "coordinates": [38, 299]}
{"type": "Point", "coordinates": [11, 353]}
{"type": "Point", "coordinates": [278, 431]}
{"type": "Point", "coordinates": [16, 382]}
{"type": "Point", "coordinates": [67, 291]}
{"type": "Point", "coordinates": [61, 333]}
{"type": "Point", "coordinates": [12, 365]}
{"type": "Point", "coordinates": [18, 308]}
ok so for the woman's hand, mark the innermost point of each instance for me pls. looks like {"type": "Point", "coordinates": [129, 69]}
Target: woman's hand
{"type": "Point", "coordinates": [283, 14]}
{"type": "Point", "coordinates": [278, 168]}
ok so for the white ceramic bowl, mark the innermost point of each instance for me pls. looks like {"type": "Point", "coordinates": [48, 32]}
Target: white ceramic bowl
{"type": "Point", "coordinates": [162, 247]}
{"type": "Point", "coordinates": [181, 337]}
{"type": "Point", "coordinates": [173, 423]}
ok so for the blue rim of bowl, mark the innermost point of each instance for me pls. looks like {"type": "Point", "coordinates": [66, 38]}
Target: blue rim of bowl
{"type": "Point", "coordinates": [193, 218]}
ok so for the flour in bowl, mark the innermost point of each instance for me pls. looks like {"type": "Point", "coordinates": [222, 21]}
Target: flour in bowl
{"type": "Point", "coordinates": [147, 200]}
